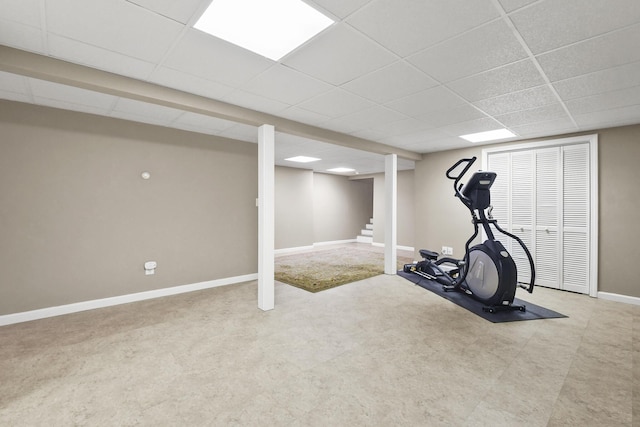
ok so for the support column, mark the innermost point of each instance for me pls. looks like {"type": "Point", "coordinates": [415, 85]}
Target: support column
{"type": "Point", "coordinates": [390, 213]}
{"type": "Point", "coordinates": [266, 217]}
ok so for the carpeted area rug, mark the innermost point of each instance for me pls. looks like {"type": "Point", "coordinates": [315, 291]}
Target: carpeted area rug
{"type": "Point", "coordinates": [318, 270]}
{"type": "Point", "coordinates": [533, 311]}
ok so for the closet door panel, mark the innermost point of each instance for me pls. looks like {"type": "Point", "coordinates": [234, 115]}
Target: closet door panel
{"type": "Point", "coordinates": [499, 163]}
{"type": "Point", "coordinates": [546, 259]}
{"type": "Point", "coordinates": [522, 210]}
{"type": "Point", "coordinates": [547, 218]}
{"type": "Point", "coordinates": [576, 218]}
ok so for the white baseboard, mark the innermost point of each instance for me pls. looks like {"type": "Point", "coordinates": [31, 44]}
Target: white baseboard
{"type": "Point", "coordinates": [334, 242]}
{"type": "Point", "coordinates": [43, 313]}
{"type": "Point", "coordinates": [309, 248]}
{"type": "Point", "coordinates": [290, 250]}
{"type": "Point", "coordinates": [619, 298]}
{"type": "Point", "coordinates": [402, 248]}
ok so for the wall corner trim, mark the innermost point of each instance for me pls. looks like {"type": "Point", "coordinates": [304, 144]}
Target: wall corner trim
{"type": "Point", "coordinates": [619, 298]}
{"type": "Point", "coordinates": [43, 313]}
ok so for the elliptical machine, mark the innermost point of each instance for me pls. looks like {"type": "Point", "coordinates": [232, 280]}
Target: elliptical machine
{"type": "Point", "coordinates": [487, 272]}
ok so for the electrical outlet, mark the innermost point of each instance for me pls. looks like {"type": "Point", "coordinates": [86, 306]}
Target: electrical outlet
{"type": "Point", "coordinates": [447, 250]}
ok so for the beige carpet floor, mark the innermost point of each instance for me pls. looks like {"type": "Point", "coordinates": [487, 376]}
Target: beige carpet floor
{"type": "Point", "coordinates": [327, 268]}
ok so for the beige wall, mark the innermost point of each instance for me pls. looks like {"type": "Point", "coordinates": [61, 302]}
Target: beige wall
{"type": "Point", "coordinates": [341, 207]}
{"type": "Point", "coordinates": [317, 207]}
{"type": "Point", "coordinates": [619, 155]}
{"type": "Point", "coordinates": [77, 221]}
{"type": "Point", "coordinates": [406, 208]}
{"type": "Point", "coordinates": [443, 220]}
{"type": "Point", "coordinates": [294, 216]}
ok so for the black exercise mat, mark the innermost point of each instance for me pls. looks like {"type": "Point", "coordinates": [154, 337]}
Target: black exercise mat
{"type": "Point", "coordinates": [533, 311]}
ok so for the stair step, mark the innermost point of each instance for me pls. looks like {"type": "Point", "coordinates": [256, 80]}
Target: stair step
{"type": "Point", "coordinates": [366, 232]}
{"type": "Point", "coordinates": [364, 239]}
{"type": "Point", "coordinates": [368, 226]}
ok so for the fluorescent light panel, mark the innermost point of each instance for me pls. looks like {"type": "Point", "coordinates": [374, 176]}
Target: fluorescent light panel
{"type": "Point", "coordinates": [269, 28]}
{"type": "Point", "coordinates": [490, 135]}
{"type": "Point", "coordinates": [302, 159]}
{"type": "Point", "coordinates": [341, 170]}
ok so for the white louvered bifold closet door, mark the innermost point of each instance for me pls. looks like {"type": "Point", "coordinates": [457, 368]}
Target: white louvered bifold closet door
{"type": "Point", "coordinates": [542, 196]}
{"type": "Point", "coordinates": [547, 243]}
{"type": "Point", "coordinates": [522, 210]}
{"type": "Point", "coordinates": [575, 238]}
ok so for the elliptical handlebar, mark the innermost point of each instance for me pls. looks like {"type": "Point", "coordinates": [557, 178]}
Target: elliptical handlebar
{"type": "Point", "coordinates": [469, 162]}
{"type": "Point", "coordinates": [456, 179]}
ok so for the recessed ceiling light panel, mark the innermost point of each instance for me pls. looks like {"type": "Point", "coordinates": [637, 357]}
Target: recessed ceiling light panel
{"type": "Point", "coordinates": [491, 135]}
{"type": "Point", "coordinates": [302, 159]}
{"type": "Point", "coordinates": [341, 170]}
{"type": "Point", "coordinates": [269, 28]}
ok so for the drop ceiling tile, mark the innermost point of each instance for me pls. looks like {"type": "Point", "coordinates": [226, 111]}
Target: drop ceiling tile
{"type": "Point", "coordinates": [168, 77]}
{"type": "Point", "coordinates": [303, 116]}
{"type": "Point", "coordinates": [551, 127]}
{"type": "Point", "coordinates": [551, 24]}
{"type": "Point", "coordinates": [255, 102]}
{"type": "Point", "coordinates": [341, 8]}
{"type": "Point", "coordinates": [480, 49]}
{"type": "Point", "coordinates": [609, 118]}
{"type": "Point", "coordinates": [400, 127]}
{"type": "Point", "coordinates": [210, 58]}
{"type": "Point", "coordinates": [607, 80]}
{"type": "Point", "coordinates": [364, 119]}
{"type": "Point", "coordinates": [509, 78]}
{"type": "Point", "coordinates": [605, 101]}
{"type": "Point", "coordinates": [418, 139]}
{"type": "Point", "coordinates": [517, 101]}
{"type": "Point", "coordinates": [152, 113]}
{"type": "Point", "coordinates": [417, 25]}
{"type": "Point", "coordinates": [534, 115]}
{"type": "Point", "coordinates": [25, 12]}
{"type": "Point", "coordinates": [114, 25]}
{"type": "Point", "coordinates": [608, 51]}
{"type": "Point", "coordinates": [293, 145]}
{"type": "Point", "coordinates": [440, 144]}
{"type": "Point", "coordinates": [336, 103]}
{"type": "Point", "coordinates": [371, 135]}
{"type": "Point", "coordinates": [339, 55]}
{"type": "Point", "coordinates": [473, 126]}
{"type": "Point", "coordinates": [511, 5]}
{"type": "Point", "coordinates": [53, 91]}
{"type": "Point", "coordinates": [430, 100]}
{"type": "Point", "coordinates": [181, 11]}
{"type": "Point", "coordinates": [461, 113]}
{"type": "Point", "coordinates": [21, 36]}
{"type": "Point", "coordinates": [102, 59]}
{"type": "Point", "coordinates": [390, 83]}
{"type": "Point", "coordinates": [285, 85]}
